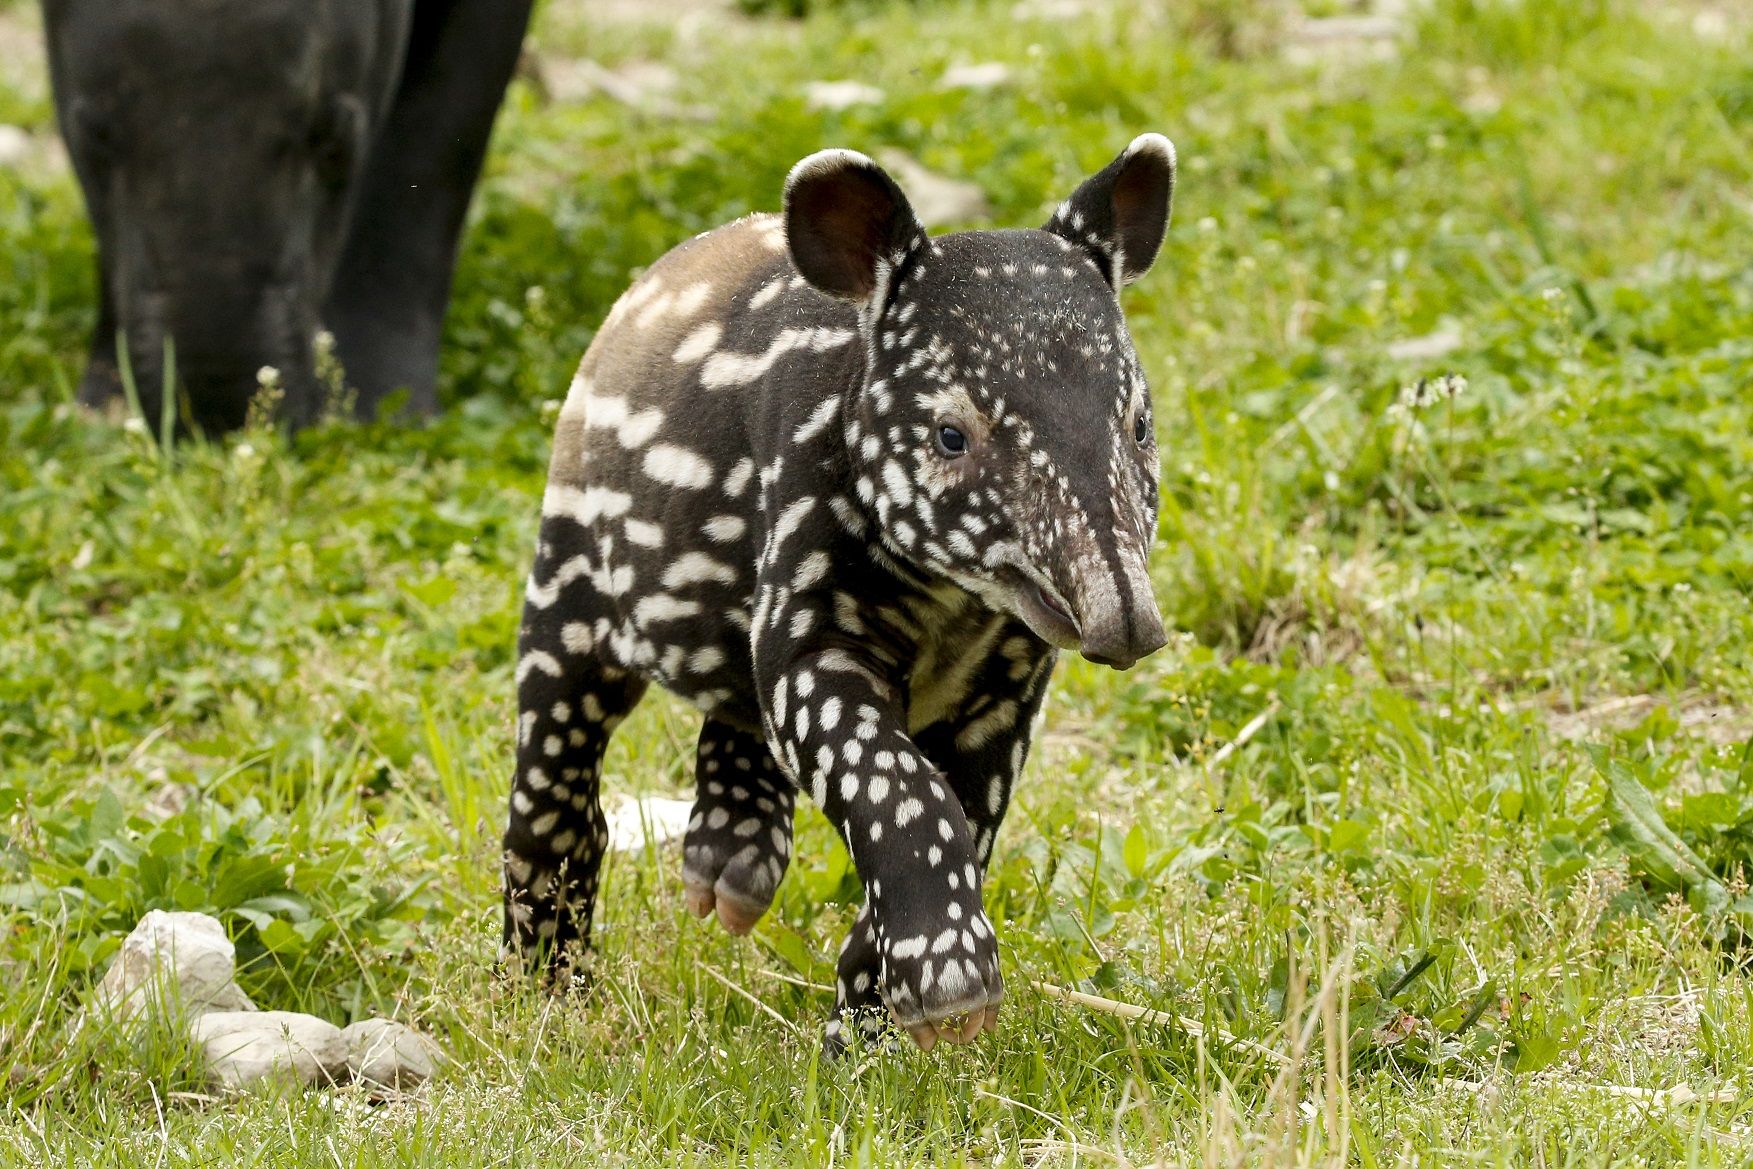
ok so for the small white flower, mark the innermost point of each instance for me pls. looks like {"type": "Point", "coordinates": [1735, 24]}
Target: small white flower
{"type": "Point", "coordinates": [1418, 395]}
{"type": "Point", "coordinates": [1428, 391]}
{"type": "Point", "coordinates": [268, 377]}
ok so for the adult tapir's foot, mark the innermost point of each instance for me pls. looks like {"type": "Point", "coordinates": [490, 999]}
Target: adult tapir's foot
{"type": "Point", "coordinates": [739, 837]}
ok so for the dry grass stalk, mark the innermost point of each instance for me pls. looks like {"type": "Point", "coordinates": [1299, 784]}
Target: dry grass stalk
{"type": "Point", "coordinates": [1138, 1014]}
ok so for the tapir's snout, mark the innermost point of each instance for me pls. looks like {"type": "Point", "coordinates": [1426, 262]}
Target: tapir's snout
{"type": "Point", "coordinates": [1123, 645]}
{"type": "Point", "coordinates": [1117, 617]}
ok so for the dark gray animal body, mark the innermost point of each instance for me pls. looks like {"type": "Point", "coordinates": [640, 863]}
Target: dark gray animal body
{"type": "Point", "coordinates": [846, 489]}
{"type": "Point", "coordinates": [255, 169]}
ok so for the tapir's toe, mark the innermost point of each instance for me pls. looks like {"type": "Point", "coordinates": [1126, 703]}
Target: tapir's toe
{"type": "Point", "coordinates": [738, 911]}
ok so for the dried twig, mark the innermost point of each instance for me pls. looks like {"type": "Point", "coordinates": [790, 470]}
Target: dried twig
{"type": "Point", "coordinates": [1665, 1097]}
{"type": "Point", "coordinates": [729, 985]}
{"type": "Point", "coordinates": [1241, 740]}
{"type": "Point", "coordinates": [1138, 1014]}
{"type": "Point", "coordinates": [794, 980]}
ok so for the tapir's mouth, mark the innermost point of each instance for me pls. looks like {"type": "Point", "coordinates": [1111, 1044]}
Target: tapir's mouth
{"type": "Point", "coordinates": [1042, 611]}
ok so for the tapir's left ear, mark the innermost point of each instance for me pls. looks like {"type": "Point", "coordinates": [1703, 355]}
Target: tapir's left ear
{"type": "Point", "coordinates": [1121, 212]}
{"type": "Point", "coordinates": [847, 224]}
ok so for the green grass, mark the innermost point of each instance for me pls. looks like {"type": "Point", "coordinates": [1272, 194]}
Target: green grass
{"type": "Point", "coordinates": [1442, 799]}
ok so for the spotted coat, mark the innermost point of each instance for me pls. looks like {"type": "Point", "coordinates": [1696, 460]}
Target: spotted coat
{"type": "Point", "coordinates": [845, 488]}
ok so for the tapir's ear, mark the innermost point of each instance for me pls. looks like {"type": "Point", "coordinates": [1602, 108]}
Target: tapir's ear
{"type": "Point", "coordinates": [847, 224]}
{"type": "Point", "coordinates": [1121, 212]}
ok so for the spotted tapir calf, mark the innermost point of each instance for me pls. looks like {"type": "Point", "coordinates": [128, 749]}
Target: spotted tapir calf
{"type": "Point", "coordinates": [847, 489]}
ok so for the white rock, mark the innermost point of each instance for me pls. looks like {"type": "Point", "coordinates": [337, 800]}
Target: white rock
{"type": "Point", "coordinates": [985, 75]}
{"type": "Point", "coordinates": [646, 86]}
{"type": "Point", "coordinates": [938, 201]}
{"type": "Point", "coordinates": [14, 145]}
{"type": "Point", "coordinates": [1438, 344]}
{"type": "Point", "coordinates": [1343, 39]}
{"type": "Point", "coordinates": [840, 95]}
{"type": "Point", "coordinates": [246, 1047]}
{"type": "Point", "coordinates": [175, 961]}
{"type": "Point", "coordinates": [1711, 24]}
{"type": "Point", "coordinates": [1058, 10]}
{"type": "Point", "coordinates": [633, 824]}
{"type": "Point", "coordinates": [390, 1054]}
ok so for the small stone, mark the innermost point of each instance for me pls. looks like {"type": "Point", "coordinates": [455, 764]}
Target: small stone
{"type": "Point", "coordinates": [1055, 10]}
{"type": "Point", "coordinates": [1432, 345]}
{"type": "Point", "coordinates": [243, 1048]}
{"type": "Point", "coordinates": [14, 146]}
{"type": "Point", "coordinates": [181, 961]}
{"type": "Point", "coordinates": [169, 799]}
{"type": "Point", "coordinates": [633, 824]}
{"type": "Point", "coordinates": [1342, 39]}
{"type": "Point", "coordinates": [937, 201]}
{"type": "Point", "coordinates": [646, 86]}
{"type": "Point", "coordinates": [390, 1054]}
{"type": "Point", "coordinates": [840, 95]}
{"type": "Point", "coordinates": [1711, 24]}
{"type": "Point", "coordinates": [985, 75]}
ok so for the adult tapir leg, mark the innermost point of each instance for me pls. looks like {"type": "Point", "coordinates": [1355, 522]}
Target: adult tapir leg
{"type": "Point", "coordinates": [388, 301]}
{"type": "Point", "coordinates": [102, 381]}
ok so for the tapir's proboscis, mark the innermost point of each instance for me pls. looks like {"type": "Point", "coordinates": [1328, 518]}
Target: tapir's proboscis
{"type": "Point", "coordinates": [847, 489]}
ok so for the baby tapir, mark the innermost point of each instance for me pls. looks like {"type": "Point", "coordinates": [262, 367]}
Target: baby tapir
{"type": "Point", "coordinates": [846, 488]}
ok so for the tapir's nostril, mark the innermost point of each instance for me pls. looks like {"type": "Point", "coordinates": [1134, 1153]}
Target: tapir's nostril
{"type": "Point", "coordinates": [1054, 607]}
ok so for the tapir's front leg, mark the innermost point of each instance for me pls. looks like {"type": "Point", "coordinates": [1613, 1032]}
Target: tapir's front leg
{"type": "Point", "coordinates": [837, 724]}
{"type": "Point", "coordinates": [980, 750]}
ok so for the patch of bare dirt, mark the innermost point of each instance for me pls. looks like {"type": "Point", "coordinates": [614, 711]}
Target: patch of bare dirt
{"type": "Point", "coordinates": [1703, 715]}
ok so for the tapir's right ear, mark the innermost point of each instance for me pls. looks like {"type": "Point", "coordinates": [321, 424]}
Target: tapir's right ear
{"type": "Point", "coordinates": [847, 224]}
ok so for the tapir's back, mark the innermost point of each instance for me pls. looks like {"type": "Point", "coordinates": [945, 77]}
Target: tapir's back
{"type": "Point", "coordinates": [696, 375]}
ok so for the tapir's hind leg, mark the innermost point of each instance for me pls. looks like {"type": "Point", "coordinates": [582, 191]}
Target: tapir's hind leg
{"type": "Point", "coordinates": [569, 700]}
{"type": "Point", "coordinates": [739, 838]}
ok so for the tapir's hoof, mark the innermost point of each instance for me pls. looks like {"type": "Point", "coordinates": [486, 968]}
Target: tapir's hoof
{"type": "Point", "coordinates": [736, 913]}
{"type": "Point", "coordinates": [955, 1029]}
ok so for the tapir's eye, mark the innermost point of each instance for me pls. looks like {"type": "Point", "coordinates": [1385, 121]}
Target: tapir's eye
{"type": "Point", "coordinates": [1140, 429]}
{"type": "Point", "coordinates": [951, 443]}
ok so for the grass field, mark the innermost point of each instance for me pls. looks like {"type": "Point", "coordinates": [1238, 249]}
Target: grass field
{"type": "Point", "coordinates": [1432, 819]}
